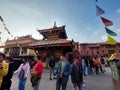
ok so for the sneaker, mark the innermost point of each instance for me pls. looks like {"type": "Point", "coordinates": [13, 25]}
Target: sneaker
{"type": "Point", "coordinates": [85, 74]}
{"type": "Point", "coordinates": [83, 85]}
{"type": "Point", "coordinates": [54, 77]}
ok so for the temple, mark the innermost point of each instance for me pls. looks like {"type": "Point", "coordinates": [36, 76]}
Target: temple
{"type": "Point", "coordinates": [54, 42]}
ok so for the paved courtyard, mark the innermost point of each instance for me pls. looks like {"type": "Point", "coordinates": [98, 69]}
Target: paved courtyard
{"type": "Point", "coordinates": [93, 82]}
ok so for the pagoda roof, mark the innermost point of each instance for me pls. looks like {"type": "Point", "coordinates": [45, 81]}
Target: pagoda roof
{"type": "Point", "coordinates": [59, 32]}
{"type": "Point", "coordinates": [44, 43]}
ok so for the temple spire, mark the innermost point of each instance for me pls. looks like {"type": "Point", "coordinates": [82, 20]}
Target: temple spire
{"type": "Point", "coordinates": [54, 24]}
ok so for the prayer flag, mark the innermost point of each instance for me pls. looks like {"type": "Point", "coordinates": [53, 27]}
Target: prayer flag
{"type": "Point", "coordinates": [110, 32]}
{"type": "Point", "coordinates": [7, 30]}
{"type": "Point", "coordinates": [112, 56]}
{"type": "Point", "coordinates": [111, 41]}
{"type": "Point", "coordinates": [99, 11]}
{"type": "Point", "coordinates": [4, 24]}
{"type": "Point", "coordinates": [1, 19]}
{"type": "Point", "coordinates": [106, 22]}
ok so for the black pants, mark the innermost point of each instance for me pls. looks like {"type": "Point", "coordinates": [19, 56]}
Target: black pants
{"type": "Point", "coordinates": [96, 69]}
{"type": "Point", "coordinates": [101, 69]}
{"type": "Point", "coordinates": [6, 85]}
{"type": "Point", "coordinates": [51, 72]}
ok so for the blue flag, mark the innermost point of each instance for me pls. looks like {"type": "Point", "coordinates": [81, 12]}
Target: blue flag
{"type": "Point", "coordinates": [99, 11]}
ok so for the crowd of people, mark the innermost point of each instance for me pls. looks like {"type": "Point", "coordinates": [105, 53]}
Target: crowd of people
{"type": "Point", "coordinates": [94, 64]}
{"type": "Point", "coordinates": [77, 69]}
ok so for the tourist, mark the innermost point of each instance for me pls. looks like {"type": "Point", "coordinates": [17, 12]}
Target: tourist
{"type": "Point", "coordinates": [3, 68]}
{"type": "Point", "coordinates": [102, 64]}
{"type": "Point", "coordinates": [118, 66]}
{"type": "Point", "coordinates": [91, 65]}
{"type": "Point", "coordinates": [52, 66]}
{"type": "Point", "coordinates": [6, 84]}
{"type": "Point", "coordinates": [77, 74]}
{"type": "Point", "coordinates": [23, 72]}
{"type": "Point", "coordinates": [96, 65]}
{"type": "Point", "coordinates": [88, 66]}
{"type": "Point", "coordinates": [85, 66]}
{"type": "Point", "coordinates": [63, 71]}
{"type": "Point", "coordinates": [37, 73]}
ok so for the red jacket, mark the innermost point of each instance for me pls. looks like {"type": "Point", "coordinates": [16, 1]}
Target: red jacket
{"type": "Point", "coordinates": [96, 62]}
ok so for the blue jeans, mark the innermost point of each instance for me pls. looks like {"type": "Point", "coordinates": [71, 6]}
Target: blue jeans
{"type": "Point", "coordinates": [85, 68]}
{"type": "Point", "coordinates": [88, 69]}
{"type": "Point", "coordinates": [60, 83]}
{"type": "Point", "coordinates": [36, 87]}
{"type": "Point", "coordinates": [22, 82]}
{"type": "Point", "coordinates": [79, 85]}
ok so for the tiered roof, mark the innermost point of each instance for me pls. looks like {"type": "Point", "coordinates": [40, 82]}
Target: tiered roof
{"type": "Point", "coordinates": [54, 33]}
{"type": "Point", "coordinates": [56, 42]}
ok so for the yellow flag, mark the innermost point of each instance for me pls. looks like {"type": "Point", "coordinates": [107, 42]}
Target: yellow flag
{"type": "Point", "coordinates": [112, 56]}
{"type": "Point", "coordinates": [111, 41]}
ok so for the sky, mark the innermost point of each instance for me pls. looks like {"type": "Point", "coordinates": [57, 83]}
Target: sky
{"type": "Point", "coordinates": [24, 17]}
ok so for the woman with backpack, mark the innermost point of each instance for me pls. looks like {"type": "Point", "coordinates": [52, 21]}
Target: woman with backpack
{"type": "Point", "coordinates": [23, 72]}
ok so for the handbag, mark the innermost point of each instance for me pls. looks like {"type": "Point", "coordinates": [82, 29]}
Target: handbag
{"type": "Point", "coordinates": [34, 78]}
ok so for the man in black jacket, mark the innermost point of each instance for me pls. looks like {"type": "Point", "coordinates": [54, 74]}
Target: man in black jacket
{"type": "Point", "coordinates": [77, 74]}
{"type": "Point", "coordinates": [51, 65]}
{"type": "Point", "coordinates": [6, 84]}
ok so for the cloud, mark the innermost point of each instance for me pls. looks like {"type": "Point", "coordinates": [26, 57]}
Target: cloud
{"type": "Point", "coordinates": [77, 37]}
{"type": "Point", "coordinates": [118, 30]}
{"type": "Point", "coordinates": [95, 33]}
{"type": "Point", "coordinates": [104, 38]}
{"type": "Point", "coordinates": [118, 11]}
